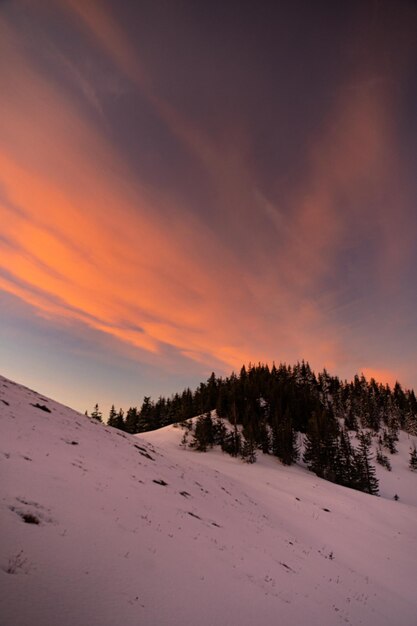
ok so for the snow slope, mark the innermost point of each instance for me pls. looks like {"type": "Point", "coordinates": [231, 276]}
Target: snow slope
{"type": "Point", "coordinates": [137, 531]}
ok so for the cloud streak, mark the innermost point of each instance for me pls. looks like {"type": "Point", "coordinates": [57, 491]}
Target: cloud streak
{"type": "Point", "coordinates": [85, 239]}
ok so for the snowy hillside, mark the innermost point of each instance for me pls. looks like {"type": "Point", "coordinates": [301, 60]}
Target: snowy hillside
{"type": "Point", "coordinates": [103, 528]}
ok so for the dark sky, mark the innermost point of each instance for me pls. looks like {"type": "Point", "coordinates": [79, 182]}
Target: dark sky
{"type": "Point", "coordinates": [187, 186]}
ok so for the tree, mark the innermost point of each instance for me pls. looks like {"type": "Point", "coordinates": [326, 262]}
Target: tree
{"type": "Point", "coordinates": [367, 477]}
{"type": "Point", "coordinates": [321, 445]}
{"type": "Point", "coordinates": [284, 439]}
{"type": "Point", "coordinates": [382, 459]}
{"type": "Point", "coordinates": [131, 422]}
{"type": "Point", "coordinates": [146, 419]}
{"type": "Point", "coordinates": [219, 431]}
{"type": "Point", "coordinates": [116, 420]}
{"type": "Point", "coordinates": [232, 443]}
{"type": "Point", "coordinates": [345, 466]}
{"type": "Point", "coordinates": [112, 416]}
{"type": "Point", "coordinates": [203, 433]}
{"type": "Point", "coordinates": [389, 439]}
{"type": "Point", "coordinates": [96, 414]}
{"type": "Point", "coordinates": [413, 459]}
{"type": "Point", "coordinates": [248, 451]}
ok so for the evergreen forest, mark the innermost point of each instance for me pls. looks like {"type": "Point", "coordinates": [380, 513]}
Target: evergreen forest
{"type": "Point", "coordinates": [273, 410]}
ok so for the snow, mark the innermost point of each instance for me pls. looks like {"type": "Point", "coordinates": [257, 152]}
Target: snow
{"type": "Point", "coordinates": [222, 542]}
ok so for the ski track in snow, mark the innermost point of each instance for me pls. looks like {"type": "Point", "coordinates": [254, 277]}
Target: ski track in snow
{"type": "Point", "coordinates": [103, 528]}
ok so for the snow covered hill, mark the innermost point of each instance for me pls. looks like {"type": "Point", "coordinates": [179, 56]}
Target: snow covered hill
{"type": "Point", "coordinates": [103, 528]}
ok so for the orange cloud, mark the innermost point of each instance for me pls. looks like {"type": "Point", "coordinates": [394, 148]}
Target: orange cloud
{"type": "Point", "coordinates": [384, 376]}
{"type": "Point", "coordinates": [85, 241]}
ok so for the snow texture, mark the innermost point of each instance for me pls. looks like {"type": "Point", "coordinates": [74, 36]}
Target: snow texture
{"type": "Point", "coordinates": [101, 528]}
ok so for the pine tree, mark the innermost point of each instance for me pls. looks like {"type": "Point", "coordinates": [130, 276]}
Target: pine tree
{"type": "Point", "coordinates": [321, 445]}
{"type": "Point", "coordinates": [96, 414]}
{"type": "Point", "coordinates": [382, 459]}
{"type": "Point", "coordinates": [203, 433]}
{"type": "Point", "coordinates": [389, 439]}
{"type": "Point", "coordinates": [368, 480]}
{"type": "Point", "coordinates": [248, 451]}
{"type": "Point", "coordinates": [112, 416]}
{"type": "Point", "coordinates": [146, 417]}
{"type": "Point", "coordinates": [264, 438]}
{"type": "Point", "coordinates": [284, 439]}
{"type": "Point", "coordinates": [413, 459]}
{"type": "Point", "coordinates": [232, 443]}
{"type": "Point", "coordinates": [351, 423]}
{"type": "Point", "coordinates": [219, 431]}
{"type": "Point", "coordinates": [131, 422]}
{"type": "Point", "coordinates": [345, 468]}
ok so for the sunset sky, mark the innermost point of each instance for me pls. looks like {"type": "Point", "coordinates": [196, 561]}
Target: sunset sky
{"type": "Point", "coordinates": [189, 186]}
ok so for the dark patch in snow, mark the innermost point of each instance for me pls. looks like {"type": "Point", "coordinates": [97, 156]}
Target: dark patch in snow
{"type": "Point", "coordinates": [287, 567]}
{"type": "Point", "coordinates": [297, 498]}
{"type": "Point", "coordinates": [27, 458]}
{"type": "Point", "coordinates": [42, 407]}
{"type": "Point", "coordinates": [185, 494]}
{"type": "Point", "coordinates": [29, 503]}
{"type": "Point", "coordinates": [193, 515]}
{"type": "Point", "coordinates": [5, 402]}
{"type": "Point", "coordinates": [327, 510]}
{"type": "Point", "coordinates": [215, 524]}
{"type": "Point", "coordinates": [29, 518]}
{"type": "Point", "coordinates": [201, 487]}
{"type": "Point", "coordinates": [143, 452]}
{"type": "Point", "coordinates": [160, 482]}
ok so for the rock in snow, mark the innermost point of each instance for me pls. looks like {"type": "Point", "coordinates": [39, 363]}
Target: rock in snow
{"type": "Point", "coordinates": [103, 528]}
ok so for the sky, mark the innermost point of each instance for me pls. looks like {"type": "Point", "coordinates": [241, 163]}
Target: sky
{"type": "Point", "coordinates": [189, 186]}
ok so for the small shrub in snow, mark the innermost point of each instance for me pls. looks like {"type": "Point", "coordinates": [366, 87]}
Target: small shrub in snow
{"type": "Point", "coordinates": [16, 563]}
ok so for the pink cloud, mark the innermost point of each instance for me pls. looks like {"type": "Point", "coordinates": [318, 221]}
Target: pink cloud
{"type": "Point", "coordinates": [90, 243]}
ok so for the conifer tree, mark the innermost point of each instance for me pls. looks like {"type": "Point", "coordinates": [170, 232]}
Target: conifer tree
{"type": "Point", "coordinates": [368, 479]}
{"type": "Point", "coordinates": [321, 445]}
{"type": "Point", "coordinates": [248, 450]}
{"type": "Point", "coordinates": [203, 433]}
{"type": "Point", "coordinates": [351, 423]}
{"type": "Point", "coordinates": [219, 431]}
{"type": "Point", "coordinates": [284, 439]}
{"type": "Point", "coordinates": [131, 422]}
{"type": "Point", "coordinates": [146, 416]}
{"type": "Point", "coordinates": [96, 414]}
{"type": "Point", "coordinates": [382, 459]}
{"type": "Point", "coordinates": [264, 438]}
{"type": "Point", "coordinates": [112, 416]}
{"type": "Point", "coordinates": [413, 459]}
{"type": "Point", "coordinates": [345, 469]}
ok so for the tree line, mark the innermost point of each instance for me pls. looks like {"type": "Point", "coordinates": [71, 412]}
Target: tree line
{"type": "Point", "coordinates": [267, 409]}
